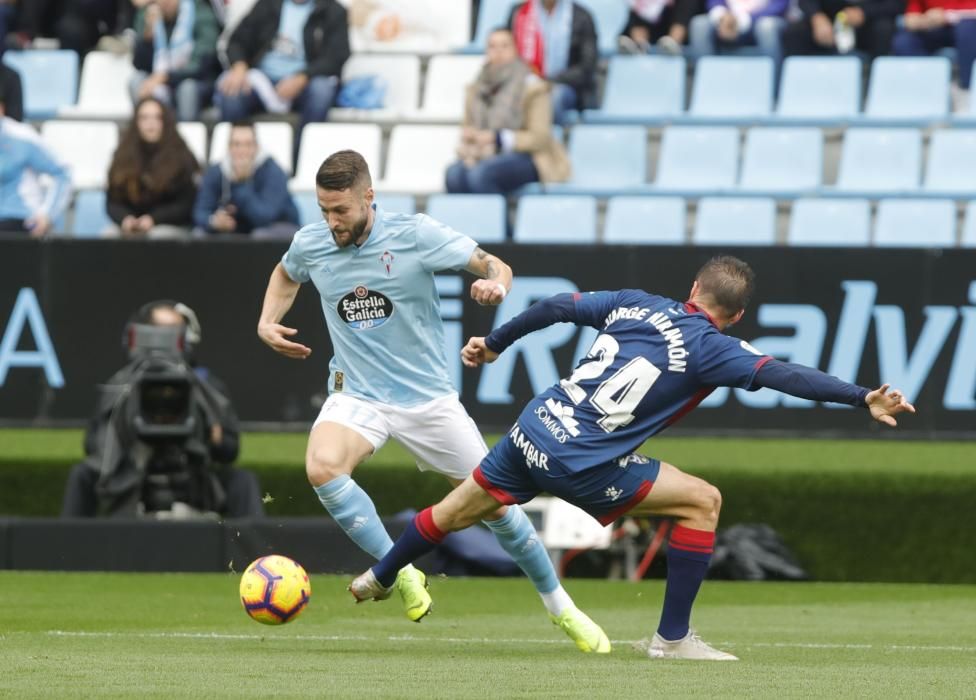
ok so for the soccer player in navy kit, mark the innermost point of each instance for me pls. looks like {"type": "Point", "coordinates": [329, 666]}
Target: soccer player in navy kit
{"type": "Point", "coordinates": [374, 271]}
{"type": "Point", "coordinates": [654, 360]}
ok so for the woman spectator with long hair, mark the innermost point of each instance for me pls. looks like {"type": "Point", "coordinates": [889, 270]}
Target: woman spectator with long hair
{"type": "Point", "coordinates": [152, 179]}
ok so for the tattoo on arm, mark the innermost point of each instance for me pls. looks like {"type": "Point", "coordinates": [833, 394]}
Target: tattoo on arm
{"type": "Point", "coordinates": [488, 262]}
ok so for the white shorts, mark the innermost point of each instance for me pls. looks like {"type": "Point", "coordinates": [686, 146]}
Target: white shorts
{"type": "Point", "coordinates": [439, 434]}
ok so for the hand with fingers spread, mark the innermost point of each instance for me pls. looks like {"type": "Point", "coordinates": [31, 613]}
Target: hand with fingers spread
{"type": "Point", "coordinates": [273, 335]}
{"type": "Point", "coordinates": [476, 353]}
{"type": "Point", "coordinates": [885, 405]}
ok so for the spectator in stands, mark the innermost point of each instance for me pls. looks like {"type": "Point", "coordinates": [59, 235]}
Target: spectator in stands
{"type": "Point", "coordinates": [557, 39]}
{"type": "Point", "coordinates": [247, 193]}
{"type": "Point", "coordinates": [732, 23]}
{"type": "Point", "coordinates": [151, 185]}
{"type": "Point", "coordinates": [76, 24]}
{"type": "Point", "coordinates": [661, 23]}
{"type": "Point", "coordinates": [285, 54]}
{"type": "Point", "coordinates": [840, 26]}
{"type": "Point", "coordinates": [8, 14]}
{"type": "Point", "coordinates": [930, 25]}
{"type": "Point", "coordinates": [126, 473]}
{"type": "Point", "coordinates": [507, 137]}
{"type": "Point", "coordinates": [26, 205]}
{"type": "Point", "coordinates": [175, 54]}
{"type": "Point", "coordinates": [13, 90]}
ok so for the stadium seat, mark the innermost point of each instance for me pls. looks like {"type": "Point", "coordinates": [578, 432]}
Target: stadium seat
{"type": "Point", "coordinates": [401, 74]}
{"type": "Point", "coordinates": [274, 138]}
{"type": "Point", "coordinates": [819, 90]}
{"type": "Point", "coordinates": [968, 238]}
{"type": "Point", "coordinates": [606, 159]}
{"type": "Point", "coordinates": [698, 160]}
{"type": "Point", "coordinates": [924, 223]}
{"type": "Point", "coordinates": [646, 220]}
{"type": "Point", "coordinates": [319, 141]}
{"type": "Point", "coordinates": [609, 16]}
{"type": "Point", "coordinates": [911, 89]}
{"type": "Point", "coordinates": [49, 80]}
{"type": "Point", "coordinates": [880, 161]}
{"type": "Point", "coordinates": [481, 216]}
{"type": "Point", "coordinates": [552, 218]}
{"type": "Point", "coordinates": [86, 147]}
{"type": "Point", "coordinates": [830, 222]}
{"type": "Point", "coordinates": [951, 168]}
{"type": "Point", "coordinates": [195, 136]}
{"type": "Point", "coordinates": [735, 221]}
{"type": "Point", "coordinates": [785, 160]}
{"type": "Point", "coordinates": [491, 14]}
{"type": "Point", "coordinates": [104, 91]}
{"type": "Point", "coordinates": [626, 97]}
{"type": "Point", "coordinates": [732, 89]}
{"type": "Point", "coordinates": [425, 26]}
{"type": "Point", "coordinates": [308, 207]}
{"type": "Point", "coordinates": [418, 156]}
{"type": "Point", "coordinates": [90, 216]}
{"type": "Point", "coordinates": [399, 203]}
{"type": "Point", "coordinates": [444, 87]}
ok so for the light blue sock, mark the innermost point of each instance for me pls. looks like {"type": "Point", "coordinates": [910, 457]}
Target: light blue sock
{"type": "Point", "coordinates": [517, 537]}
{"type": "Point", "coordinates": [353, 509]}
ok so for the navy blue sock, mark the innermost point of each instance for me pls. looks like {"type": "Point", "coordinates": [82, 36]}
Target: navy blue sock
{"type": "Point", "coordinates": [421, 536]}
{"type": "Point", "coordinates": [688, 554]}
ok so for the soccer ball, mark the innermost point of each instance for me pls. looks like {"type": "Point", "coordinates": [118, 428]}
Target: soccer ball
{"type": "Point", "coordinates": [275, 590]}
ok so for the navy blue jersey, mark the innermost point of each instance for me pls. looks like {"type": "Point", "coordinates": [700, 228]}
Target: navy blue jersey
{"type": "Point", "coordinates": [654, 360]}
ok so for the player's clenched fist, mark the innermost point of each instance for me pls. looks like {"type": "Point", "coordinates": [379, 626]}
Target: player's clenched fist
{"type": "Point", "coordinates": [488, 292]}
{"type": "Point", "coordinates": [476, 353]}
{"type": "Point", "coordinates": [273, 335]}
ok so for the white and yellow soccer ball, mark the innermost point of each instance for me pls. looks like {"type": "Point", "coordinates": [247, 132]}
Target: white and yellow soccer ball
{"type": "Point", "coordinates": [275, 590]}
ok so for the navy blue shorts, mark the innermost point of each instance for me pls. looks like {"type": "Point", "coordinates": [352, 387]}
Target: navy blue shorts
{"type": "Point", "coordinates": [606, 491]}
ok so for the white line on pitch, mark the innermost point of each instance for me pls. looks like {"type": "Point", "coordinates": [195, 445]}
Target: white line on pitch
{"type": "Point", "coordinates": [484, 640]}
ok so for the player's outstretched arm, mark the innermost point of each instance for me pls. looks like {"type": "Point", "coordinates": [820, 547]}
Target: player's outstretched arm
{"type": "Point", "coordinates": [278, 298]}
{"type": "Point", "coordinates": [495, 278]}
{"type": "Point", "coordinates": [885, 405]}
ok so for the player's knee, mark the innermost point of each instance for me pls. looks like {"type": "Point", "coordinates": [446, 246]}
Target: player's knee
{"type": "Point", "coordinates": [709, 503]}
{"type": "Point", "coordinates": [323, 465]}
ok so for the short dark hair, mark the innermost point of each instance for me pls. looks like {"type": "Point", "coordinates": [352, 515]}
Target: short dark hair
{"type": "Point", "coordinates": [342, 171]}
{"type": "Point", "coordinates": [243, 124]}
{"type": "Point", "coordinates": [728, 281]}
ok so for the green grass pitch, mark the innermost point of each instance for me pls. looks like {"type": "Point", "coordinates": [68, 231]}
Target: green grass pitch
{"type": "Point", "coordinates": [182, 635]}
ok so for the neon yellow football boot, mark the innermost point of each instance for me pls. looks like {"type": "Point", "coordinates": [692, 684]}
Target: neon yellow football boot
{"type": "Point", "coordinates": [411, 584]}
{"type": "Point", "coordinates": [587, 635]}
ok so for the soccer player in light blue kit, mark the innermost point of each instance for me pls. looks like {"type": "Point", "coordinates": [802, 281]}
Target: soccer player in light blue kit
{"type": "Point", "coordinates": [388, 378]}
{"type": "Point", "coordinates": [654, 360]}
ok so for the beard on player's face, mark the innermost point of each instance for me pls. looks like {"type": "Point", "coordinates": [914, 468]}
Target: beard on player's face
{"type": "Point", "coordinates": [348, 234]}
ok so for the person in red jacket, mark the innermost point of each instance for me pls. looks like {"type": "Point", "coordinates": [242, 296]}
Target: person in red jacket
{"type": "Point", "coordinates": [931, 25]}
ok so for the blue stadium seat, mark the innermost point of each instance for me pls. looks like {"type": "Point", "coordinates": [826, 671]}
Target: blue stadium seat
{"type": "Point", "coordinates": [786, 160]}
{"type": "Point", "coordinates": [308, 207]}
{"type": "Point", "coordinates": [90, 215]}
{"type": "Point", "coordinates": [735, 221]}
{"type": "Point", "coordinates": [912, 90]}
{"type": "Point", "coordinates": [606, 159]}
{"type": "Point", "coordinates": [627, 97]}
{"type": "Point", "coordinates": [732, 89]}
{"type": "Point", "coordinates": [925, 223]}
{"type": "Point", "coordinates": [645, 220]}
{"type": "Point", "coordinates": [819, 90]}
{"type": "Point", "coordinates": [399, 203]}
{"type": "Point", "coordinates": [49, 78]}
{"type": "Point", "coordinates": [968, 238]}
{"type": "Point", "coordinates": [951, 168]}
{"type": "Point", "coordinates": [481, 216]}
{"type": "Point", "coordinates": [491, 15]}
{"type": "Point", "coordinates": [698, 159]}
{"type": "Point", "coordinates": [830, 222]}
{"type": "Point", "coordinates": [550, 218]}
{"type": "Point", "coordinates": [880, 161]}
{"type": "Point", "coordinates": [609, 16]}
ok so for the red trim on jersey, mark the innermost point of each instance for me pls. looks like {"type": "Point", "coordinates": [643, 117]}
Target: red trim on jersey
{"type": "Point", "coordinates": [500, 495]}
{"type": "Point", "coordinates": [690, 405]}
{"type": "Point", "coordinates": [692, 308]}
{"type": "Point", "coordinates": [577, 296]}
{"type": "Point", "coordinates": [427, 528]}
{"type": "Point", "coordinates": [691, 540]}
{"type": "Point", "coordinates": [642, 491]}
{"type": "Point", "coordinates": [762, 361]}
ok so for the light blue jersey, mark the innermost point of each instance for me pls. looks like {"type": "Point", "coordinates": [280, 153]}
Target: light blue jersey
{"type": "Point", "coordinates": [381, 306]}
{"type": "Point", "coordinates": [287, 54]}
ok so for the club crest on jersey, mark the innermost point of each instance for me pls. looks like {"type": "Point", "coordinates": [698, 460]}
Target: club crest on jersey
{"type": "Point", "coordinates": [387, 261]}
{"type": "Point", "coordinates": [364, 308]}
